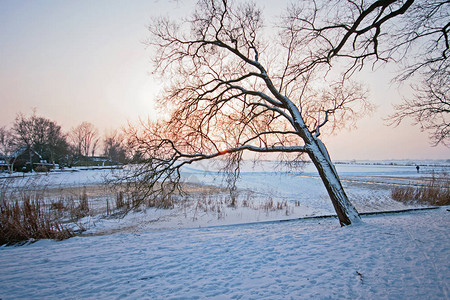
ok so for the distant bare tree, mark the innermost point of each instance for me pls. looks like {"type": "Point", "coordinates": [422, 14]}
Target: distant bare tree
{"type": "Point", "coordinates": [230, 88]}
{"type": "Point", "coordinates": [6, 140]}
{"type": "Point", "coordinates": [114, 147]}
{"type": "Point", "coordinates": [85, 138]}
{"type": "Point", "coordinates": [50, 141]}
{"type": "Point", "coordinates": [24, 128]}
{"type": "Point", "coordinates": [41, 134]}
{"type": "Point", "coordinates": [94, 146]}
{"type": "Point", "coordinates": [7, 147]}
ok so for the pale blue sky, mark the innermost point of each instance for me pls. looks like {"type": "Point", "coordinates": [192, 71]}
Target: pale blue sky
{"type": "Point", "coordinates": [84, 60]}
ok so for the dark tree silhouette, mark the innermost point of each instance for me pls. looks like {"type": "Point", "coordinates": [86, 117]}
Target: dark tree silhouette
{"type": "Point", "coordinates": [114, 147]}
{"type": "Point", "coordinates": [235, 85]}
{"type": "Point", "coordinates": [7, 147]}
{"type": "Point", "coordinates": [423, 46]}
{"type": "Point", "coordinates": [42, 135]}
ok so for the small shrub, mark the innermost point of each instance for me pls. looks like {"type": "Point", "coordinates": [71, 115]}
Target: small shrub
{"type": "Point", "coordinates": [58, 208]}
{"type": "Point", "coordinates": [58, 205]}
{"type": "Point", "coordinates": [70, 205]}
{"type": "Point", "coordinates": [268, 205]}
{"type": "Point", "coordinates": [281, 205]}
{"type": "Point", "coordinates": [108, 209]}
{"type": "Point", "coordinates": [166, 202]}
{"type": "Point", "coordinates": [233, 201]}
{"type": "Point", "coordinates": [78, 209]}
{"type": "Point", "coordinates": [41, 168]}
{"type": "Point", "coordinates": [158, 201]}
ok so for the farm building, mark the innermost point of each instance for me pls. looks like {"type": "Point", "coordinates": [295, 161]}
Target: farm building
{"type": "Point", "coordinates": [20, 161]}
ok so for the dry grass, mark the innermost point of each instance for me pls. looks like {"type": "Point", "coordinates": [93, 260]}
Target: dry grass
{"type": "Point", "coordinates": [27, 219]}
{"type": "Point", "coordinates": [29, 213]}
{"type": "Point", "coordinates": [120, 201]}
{"type": "Point", "coordinates": [213, 202]}
{"type": "Point", "coordinates": [436, 192]}
{"type": "Point", "coordinates": [37, 212]}
{"type": "Point", "coordinates": [84, 203]}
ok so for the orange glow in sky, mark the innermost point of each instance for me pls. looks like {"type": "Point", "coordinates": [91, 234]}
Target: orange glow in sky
{"type": "Point", "coordinates": [224, 152]}
{"type": "Point", "coordinates": [81, 61]}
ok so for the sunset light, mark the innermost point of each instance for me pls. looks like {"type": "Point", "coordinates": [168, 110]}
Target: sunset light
{"type": "Point", "coordinates": [224, 149]}
{"type": "Point", "coordinates": [86, 61]}
{"type": "Point", "coordinates": [224, 152]}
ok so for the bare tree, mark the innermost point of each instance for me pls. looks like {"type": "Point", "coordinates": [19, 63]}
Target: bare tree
{"type": "Point", "coordinates": [114, 147]}
{"type": "Point", "coordinates": [233, 89]}
{"type": "Point", "coordinates": [430, 108]}
{"type": "Point", "coordinates": [424, 40]}
{"type": "Point", "coordinates": [26, 133]}
{"type": "Point", "coordinates": [43, 135]}
{"type": "Point", "coordinates": [50, 142]}
{"type": "Point", "coordinates": [7, 147]}
{"type": "Point", "coordinates": [94, 146]}
{"type": "Point", "coordinates": [85, 138]}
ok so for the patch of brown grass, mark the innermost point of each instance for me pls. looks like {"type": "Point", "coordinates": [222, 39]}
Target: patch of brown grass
{"type": "Point", "coordinates": [27, 219]}
{"type": "Point", "coordinates": [435, 193]}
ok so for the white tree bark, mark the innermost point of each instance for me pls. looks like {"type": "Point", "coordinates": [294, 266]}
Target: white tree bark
{"type": "Point", "coordinates": [318, 153]}
{"type": "Point", "coordinates": [345, 211]}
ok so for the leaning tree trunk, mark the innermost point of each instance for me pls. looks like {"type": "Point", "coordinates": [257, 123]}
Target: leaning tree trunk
{"type": "Point", "coordinates": [318, 153]}
{"type": "Point", "coordinates": [345, 211]}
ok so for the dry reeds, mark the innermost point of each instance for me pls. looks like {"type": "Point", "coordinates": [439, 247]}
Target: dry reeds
{"type": "Point", "coordinates": [84, 203]}
{"type": "Point", "coordinates": [120, 201]}
{"type": "Point", "coordinates": [430, 194]}
{"type": "Point", "coordinates": [27, 220]}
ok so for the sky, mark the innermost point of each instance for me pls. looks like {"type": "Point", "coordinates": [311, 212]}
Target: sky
{"type": "Point", "coordinates": [78, 61]}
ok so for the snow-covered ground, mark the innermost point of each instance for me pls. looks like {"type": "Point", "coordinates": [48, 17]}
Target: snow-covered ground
{"type": "Point", "coordinates": [262, 187]}
{"type": "Point", "coordinates": [59, 178]}
{"type": "Point", "coordinates": [401, 256]}
{"type": "Point", "coordinates": [223, 252]}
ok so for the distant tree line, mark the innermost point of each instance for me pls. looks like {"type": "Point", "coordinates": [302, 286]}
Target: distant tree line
{"type": "Point", "coordinates": [57, 147]}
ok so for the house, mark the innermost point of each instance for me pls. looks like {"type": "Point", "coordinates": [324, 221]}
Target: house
{"type": "Point", "coordinates": [101, 160]}
{"type": "Point", "coordinates": [20, 160]}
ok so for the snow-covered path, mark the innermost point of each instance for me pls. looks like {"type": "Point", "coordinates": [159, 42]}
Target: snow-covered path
{"type": "Point", "coordinates": [401, 256]}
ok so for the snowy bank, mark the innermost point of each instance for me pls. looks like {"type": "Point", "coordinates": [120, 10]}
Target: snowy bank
{"type": "Point", "coordinates": [398, 256]}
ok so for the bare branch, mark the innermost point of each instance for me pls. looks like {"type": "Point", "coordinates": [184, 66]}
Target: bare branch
{"type": "Point", "coordinates": [430, 108]}
{"type": "Point", "coordinates": [231, 89]}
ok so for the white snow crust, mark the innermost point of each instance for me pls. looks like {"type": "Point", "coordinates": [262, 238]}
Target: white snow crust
{"type": "Point", "coordinates": [402, 256]}
{"type": "Point", "coordinates": [245, 253]}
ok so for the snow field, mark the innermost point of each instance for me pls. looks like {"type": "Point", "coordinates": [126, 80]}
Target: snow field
{"type": "Point", "coordinates": [194, 252]}
{"type": "Point", "coordinates": [261, 189]}
{"type": "Point", "coordinates": [403, 256]}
